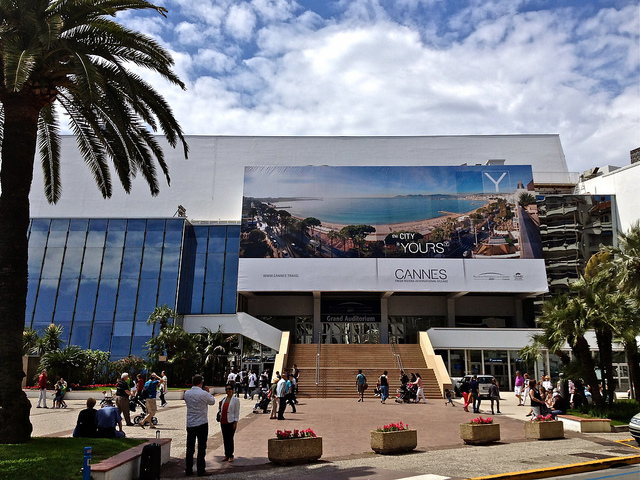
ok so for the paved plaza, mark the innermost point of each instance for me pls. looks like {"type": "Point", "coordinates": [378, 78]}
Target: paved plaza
{"type": "Point", "coordinates": [344, 425]}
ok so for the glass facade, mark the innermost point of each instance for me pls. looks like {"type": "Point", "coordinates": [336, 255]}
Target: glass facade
{"type": "Point", "coordinates": [101, 278]}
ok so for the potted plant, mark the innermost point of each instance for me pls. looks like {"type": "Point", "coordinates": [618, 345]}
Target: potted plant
{"type": "Point", "coordinates": [480, 431]}
{"type": "Point", "coordinates": [294, 446]}
{"type": "Point", "coordinates": [393, 438]}
{"type": "Point", "coordinates": [543, 427]}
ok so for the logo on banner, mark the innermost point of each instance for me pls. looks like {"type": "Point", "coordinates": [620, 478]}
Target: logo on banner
{"type": "Point", "coordinates": [491, 277]}
{"type": "Point", "coordinates": [421, 275]}
{"type": "Point", "coordinates": [518, 277]}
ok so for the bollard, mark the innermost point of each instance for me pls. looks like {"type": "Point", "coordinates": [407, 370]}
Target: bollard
{"type": "Point", "coordinates": [86, 468]}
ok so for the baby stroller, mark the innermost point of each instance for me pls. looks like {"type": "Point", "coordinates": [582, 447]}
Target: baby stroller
{"type": "Point", "coordinates": [407, 394]}
{"type": "Point", "coordinates": [263, 403]}
{"type": "Point", "coordinates": [136, 402]}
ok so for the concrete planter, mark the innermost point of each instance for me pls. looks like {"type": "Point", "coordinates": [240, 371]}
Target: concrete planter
{"type": "Point", "coordinates": [479, 434]}
{"type": "Point", "coordinates": [294, 450]}
{"type": "Point", "coordinates": [543, 430]}
{"type": "Point", "coordinates": [394, 442]}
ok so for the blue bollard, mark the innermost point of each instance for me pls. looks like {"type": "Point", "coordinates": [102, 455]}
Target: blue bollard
{"type": "Point", "coordinates": [86, 468]}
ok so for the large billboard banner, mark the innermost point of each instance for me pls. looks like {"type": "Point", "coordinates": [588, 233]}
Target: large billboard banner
{"type": "Point", "coordinates": [395, 217]}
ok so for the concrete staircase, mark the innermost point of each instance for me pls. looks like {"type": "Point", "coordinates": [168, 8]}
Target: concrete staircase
{"type": "Point", "coordinates": [339, 365]}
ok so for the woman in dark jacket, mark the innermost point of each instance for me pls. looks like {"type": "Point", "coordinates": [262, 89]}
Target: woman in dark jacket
{"type": "Point", "coordinates": [86, 424]}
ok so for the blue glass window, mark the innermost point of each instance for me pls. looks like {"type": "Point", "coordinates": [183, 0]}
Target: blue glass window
{"type": "Point", "coordinates": [167, 291]}
{"type": "Point", "coordinates": [92, 262]}
{"type": "Point", "coordinates": [202, 234]}
{"type": "Point", "coordinates": [127, 296]}
{"type": "Point", "coordinates": [52, 263]}
{"type": "Point", "coordinates": [151, 262]}
{"type": "Point", "coordinates": [97, 232]}
{"type": "Point", "coordinates": [107, 297]}
{"type": "Point", "coordinates": [120, 346]}
{"type": "Point", "coordinates": [32, 289]}
{"type": "Point", "coordinates": [131, 263]}
{"type": "Point", "coordinates": [137, 345]}
{"type": "Point", "coordinates": [81, 334]}
{"type": "Point", "coordinates": [77, 232]}
{"type": "Point", "coordinates": [147, 297]}
{"type": "Point", "coordinates": [217, 239]}
{"type": "Point", "coordinates": [87, 293]}
{"type": "Point", "coordinates": [35, 261]}
{"type": "Point", "coordinates": [57, 238]}
{"type": "Point", "coordinates": [101, 336]}
{"type": "Point", "coordinates": [67, 292]}
{"type": "Point", "coordinates": [111, 262]}
{"type": "Point", "coordinates": [135, 233]}
{"type": "Point", "coordinates": [72, 262]}
{"type": "Point", "coordinates": [115, 234]}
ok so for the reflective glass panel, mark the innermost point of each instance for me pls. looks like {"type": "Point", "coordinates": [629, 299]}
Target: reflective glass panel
{"type": "Point", "coordinates": [35, 261]}
{"type": "Point", "coordinates": [46, 300]}
{"type": "Point", "coordinates": [170, 261]}
{"type": "Point", "coordinates": [97, 233]}
{"type": "Point", "coordinates": [229, 298]}
{"type": "Point", "coordinates": [92, 262]}
{"type": "Point", "coordinates": [127, 296]}
{"type": "Point", "coordinates": [212, 298]}
{"type": "Point", "coordinates": [201, 238]}
{"type": "Point", "coordinates": [87, 296]}
{"type": "Point", "coordinates": [72, 262]}
{"type": "Point", "coordinates": [135, 233]}
{"type": "Point", "coordinates": [77, 232]}
{"type": "Point", "coordinates": [167, 292]}
{"type": "Point", "coordinates": [151, 262]}
{"type": "Point", "coordinates": [101, 336]}
{"type": "Point", "coordinates": [122, 329]}
{"type": "Point", "coordinates": [131, 263]}
{"type": "Point", "coordinates": [81, 334]}
{"type": "Point", "coordinates": [217, 239]}
{"type": "Point", "coordinates": [111, 262]}
{"type": "Point", "coordinates": [107, 297]}
{"type": "Point", "coordinates": [215, 267]}
{"type": "Point", "coordinates": [57, 238]}
{"type": "Point", "coordinates": [147, 297]}
{"type": "Point", "coordinates": [31, 300]}
{"type": "Point", "coordinates": [38, 238]}
{"type": "Point", "coordinates": [137, 345]}
{"type": "Point", "coordinates": [233, 239]}
{"type": "Point", "coordinates": [67, 294]}
{"type": "Point", "coordinates": [120, 346]}
{"type": "Point", "coordinates": [63, 317]}
{"type": "Point", "coordinates": [142, 329]}
{"type": "Point", "coordinates": [52, 263]}
{"type": "Point", "coordinates": [59, 224]}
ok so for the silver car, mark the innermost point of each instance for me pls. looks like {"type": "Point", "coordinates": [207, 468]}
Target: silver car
{"type": "Point", "coordinates": [634, 427]}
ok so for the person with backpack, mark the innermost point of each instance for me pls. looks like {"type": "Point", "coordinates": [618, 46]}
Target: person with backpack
{"type": "Point", "coordinates": [361, 381]}
{"type": "Point", "coordinates": [151, 389]}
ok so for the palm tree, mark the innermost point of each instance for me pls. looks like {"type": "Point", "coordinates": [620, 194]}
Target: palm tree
{"type": "Point", "coordinates": [69, 55]}
{"type": "Point", "coordinates": [29, 341]}
{"type": "Point", "coordinates": [50, 341]}
{"type": "Point", "coordinates": [162, 315]}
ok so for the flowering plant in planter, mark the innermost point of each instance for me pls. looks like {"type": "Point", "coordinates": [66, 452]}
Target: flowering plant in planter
{"type": "Point", "coordinates": [393, 427]}
{"type": "Point", "coordinates": [482, 421]}
{"type": "Point", "coordinates": [284, 434]}
{"type": "Point", "coordinates": [543, 418]}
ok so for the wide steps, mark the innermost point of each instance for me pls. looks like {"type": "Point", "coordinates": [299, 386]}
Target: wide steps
{"type": "Point", "coordinates": [339, 365]}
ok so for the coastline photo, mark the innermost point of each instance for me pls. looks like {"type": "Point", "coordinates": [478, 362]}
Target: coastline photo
{"type": "Point", "coordinates": [378, 212]}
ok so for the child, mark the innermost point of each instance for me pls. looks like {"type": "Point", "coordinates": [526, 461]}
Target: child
{"type": "Point", "coordinates": [447, 395]}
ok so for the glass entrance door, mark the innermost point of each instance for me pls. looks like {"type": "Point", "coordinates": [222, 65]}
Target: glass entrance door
{"type": "Point", "coordinates": [350, 332]}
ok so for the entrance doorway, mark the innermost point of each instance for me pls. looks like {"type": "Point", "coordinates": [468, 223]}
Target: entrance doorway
{"type": "Point", "coordinates": [350, 332]}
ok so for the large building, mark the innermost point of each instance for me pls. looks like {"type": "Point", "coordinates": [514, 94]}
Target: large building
{"type": "Point", "coordinates": [334, 239]}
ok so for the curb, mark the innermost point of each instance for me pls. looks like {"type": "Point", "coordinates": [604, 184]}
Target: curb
{"type": "Point", "coordinates": [565, 469]}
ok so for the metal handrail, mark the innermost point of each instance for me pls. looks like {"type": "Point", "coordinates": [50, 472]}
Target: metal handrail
{"type": "Point", "coordinates": [397, 356]}
{"type": "Point", "coordinates": [318, 359]}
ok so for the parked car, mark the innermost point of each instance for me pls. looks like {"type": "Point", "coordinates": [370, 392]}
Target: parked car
{"type": "Point", "coordinates": [456, 383]}
{"type": "Point", "coordinates": [634, 427]}
{"type": "Point", "coordinates": [484, 382]}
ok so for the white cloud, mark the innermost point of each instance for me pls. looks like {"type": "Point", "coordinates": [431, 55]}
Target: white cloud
{"type": "Point", "coordinates": [240, 21]}
{"type": "Point", "coordinates": [489, 70]}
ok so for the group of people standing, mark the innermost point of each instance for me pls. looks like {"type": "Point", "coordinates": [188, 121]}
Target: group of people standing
{"type": "Point", "coordinates": [60, 388]}
{"type": "Point", "coordinates": [543, 397]}
{"type": "Point", "coordinates": [382, 385]}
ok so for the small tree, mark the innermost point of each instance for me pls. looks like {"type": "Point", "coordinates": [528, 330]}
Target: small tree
{"type": "Point", "coordinates": [162, 315]}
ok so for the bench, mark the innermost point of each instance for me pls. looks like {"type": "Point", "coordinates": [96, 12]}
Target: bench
{"type": "Point", "coordinates": [585, 425]}
{"type": "Point", "coordinates": [126, 465]}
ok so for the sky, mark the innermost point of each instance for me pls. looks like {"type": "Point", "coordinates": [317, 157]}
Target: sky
{"type": "Point", "coordinates": [407, 67]}
{"type": "Point", "coordinates": [359, 181]}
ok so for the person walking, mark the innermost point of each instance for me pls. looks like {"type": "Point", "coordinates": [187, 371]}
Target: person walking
{"type": "Point", "coordinates": [420, 391]}
{"type": "Point", "coordinates": [384, 387]}
{"type": "Point", "coordinates": [517, 389]}
{"type": "Point", "coordinates": [139, 385]}
{"type": "Point", "coordinates": [296, 375]}
{"type": "Point", "coordinates": [281, 390]}
{"type": "Point", "coordinates": [361, 381]}
{"type": "Point", "coordinates": [494, 396]}
{"type": "Point", "coordinates": [273, 392]}
{"type": "Point", "coordinates": [122, 398]}
{"type": "Point", "coordinates": [465, 389]}
{"type": "Point", "coordinates": [474, 387]}
{"type": "Point", "coordinates": [198, 400]}
{"type": "Point", "coordinates": [151, 386]}
{"type": "Point", "coordinates": [229, 415]}
{"type": "Point", "coordinates": [42, 386]}
{"type": "Point", "coordinates": [163, 389]}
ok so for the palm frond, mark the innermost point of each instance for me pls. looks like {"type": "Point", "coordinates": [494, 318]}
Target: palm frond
{"type": "Point", "coordinates": [49, 147]}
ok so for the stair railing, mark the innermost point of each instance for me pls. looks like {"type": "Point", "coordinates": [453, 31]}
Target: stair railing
{"type": "Point", "coordinates": [397, 357]}
{"type": "Point", "coordinates": [318, 359]}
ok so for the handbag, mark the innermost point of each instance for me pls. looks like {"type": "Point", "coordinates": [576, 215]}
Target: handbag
{"type": "Point", "coordinates": [365, 386]}
{"type": "Point", "coordinates": [219, 414]}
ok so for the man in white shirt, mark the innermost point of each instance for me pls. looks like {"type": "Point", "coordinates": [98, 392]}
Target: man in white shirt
{"type": "Point", "coordinates": [252, 384]}
{"type": "Point", "coordinates": [231, 377]}
{"type": "Point", "coordinates": [197, 399]}
{"type": "Point", "coordinates": [280, 391]}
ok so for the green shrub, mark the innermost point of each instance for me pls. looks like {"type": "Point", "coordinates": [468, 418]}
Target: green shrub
{"type": "Point", "coordinates": [621, 410]}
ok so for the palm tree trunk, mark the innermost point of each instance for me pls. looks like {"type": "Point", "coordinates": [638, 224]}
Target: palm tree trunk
{"type": "Point", "coordinates": [604, 337]}
{"type": "Point", "coordinates": [582, 350]}
{"type": "Point", "coordinates": [18, 150]}
{"type": "Point", "coordinates": [633, 360]}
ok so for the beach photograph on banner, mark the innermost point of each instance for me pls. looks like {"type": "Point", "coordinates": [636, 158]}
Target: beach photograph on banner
{"type": "Point", "coordinates": [462, 212]}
